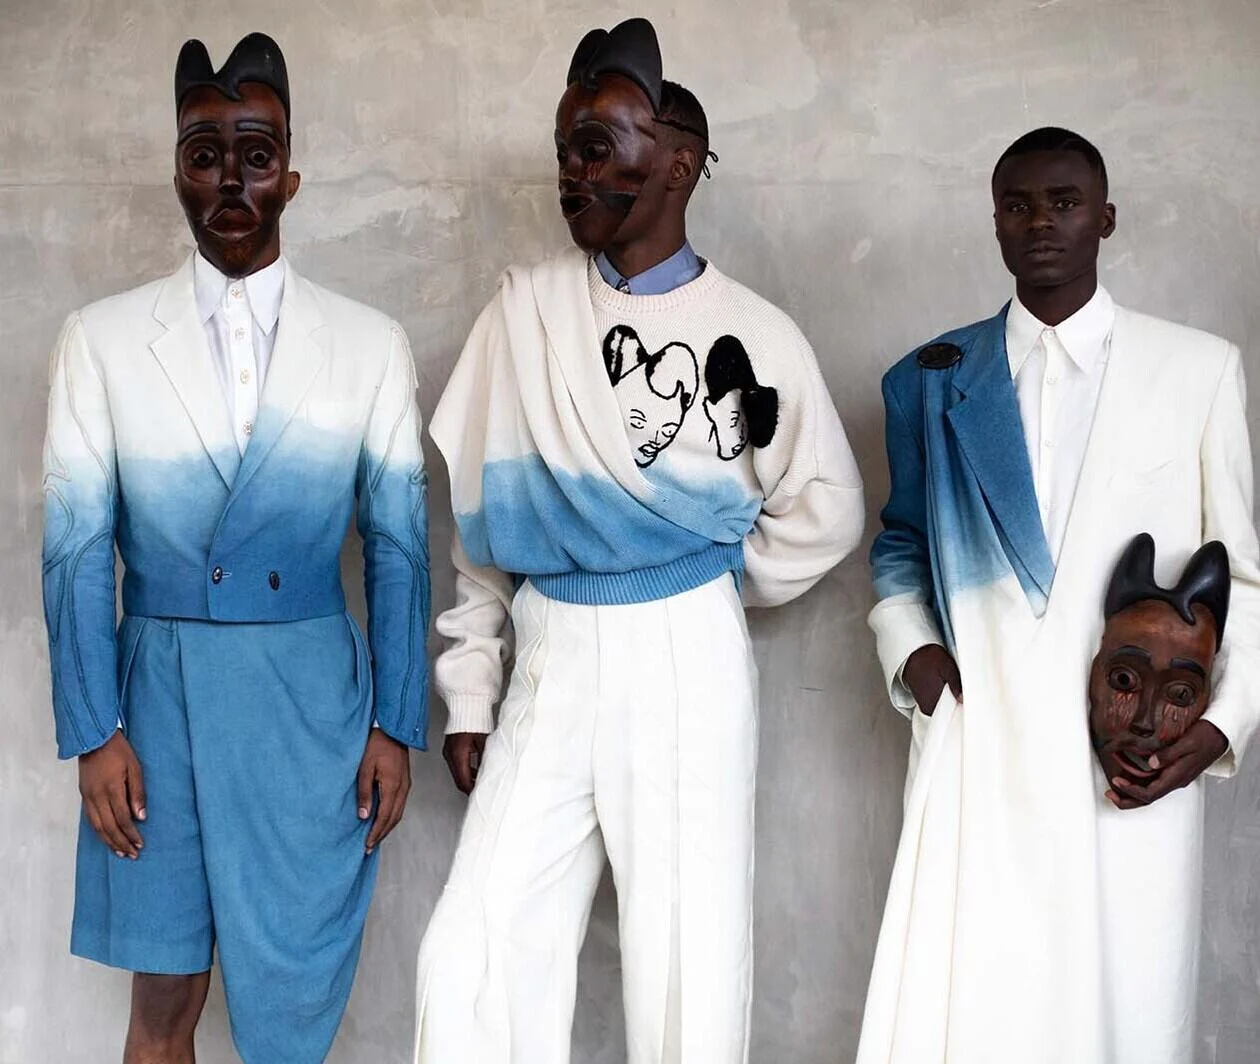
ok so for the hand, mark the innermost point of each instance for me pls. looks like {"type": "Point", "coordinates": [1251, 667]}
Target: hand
{"type": "Point", "coordinates": [386, 765]}
{"type": "Point", "coordinates": [463, 751]}
{"type": "Point", "coordinates": [926, 672]}
{"type": "Point", "coordinates": [1180, 764]}
{"type": "Point", "coordinates": [112, 785]}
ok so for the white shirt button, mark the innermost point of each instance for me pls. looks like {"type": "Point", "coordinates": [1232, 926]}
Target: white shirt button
{"type": "Point", "coordinates": [1052, 379]}
{"type": "Point", "coordinates": [238, 333]}
{"type": "Point", "coordinates": [245, 376]}
{"type": "Point", "coordinates": [248, 428]}
{"type": "Point", "coordinates": [237, 292]}
{"type": "Point", "coordinates": [1048, 444]}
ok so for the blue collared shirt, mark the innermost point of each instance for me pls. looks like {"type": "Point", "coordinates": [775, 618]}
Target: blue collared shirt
{"type": "Point", "coordinates": [682, 266]}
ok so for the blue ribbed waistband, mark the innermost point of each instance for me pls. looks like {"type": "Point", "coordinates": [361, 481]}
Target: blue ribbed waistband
{"type": "Point", "coordinates": [644, 585]}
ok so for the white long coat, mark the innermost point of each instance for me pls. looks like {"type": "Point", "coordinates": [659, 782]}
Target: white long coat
{"type": "Point", "coordinates": [1027, 919]}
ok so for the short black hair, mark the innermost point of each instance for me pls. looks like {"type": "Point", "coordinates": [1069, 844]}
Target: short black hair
{"type": "Point", "coordinates": [681, 109]}
{"type": "Point", "coordinates": [1055, 138]}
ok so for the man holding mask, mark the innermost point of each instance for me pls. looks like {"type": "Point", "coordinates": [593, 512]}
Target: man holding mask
{"type": "Point", "coordinates": [1039, 911]}
{"type": "Point", "coordinates": [220, 426]}
{"type": "Point", "coordinates": [598, 504]}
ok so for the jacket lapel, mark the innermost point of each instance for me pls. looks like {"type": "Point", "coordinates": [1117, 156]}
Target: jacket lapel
{"type": "Point", "coordinates": [185, 358]}
{"type": "Point", "coordinates": [300, 353]}
{"type": "Point", "coordinates": [990, 433]}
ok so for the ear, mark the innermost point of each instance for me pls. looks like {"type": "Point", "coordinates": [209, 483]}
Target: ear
{"type": "Point", "coordinates": [295, 179]}
{"type": "Point", "coordinates": [682, 169]}
{"type": "Point", "coordinates": [1109, 220]}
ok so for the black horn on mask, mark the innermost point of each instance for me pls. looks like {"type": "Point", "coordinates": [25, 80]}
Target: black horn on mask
{"type": "Point", "coordinates": [1205, 580]}
{"type": "Point", "coordinates": [630, 49]}
{"type": "Point", "coordinates": [256, 57]}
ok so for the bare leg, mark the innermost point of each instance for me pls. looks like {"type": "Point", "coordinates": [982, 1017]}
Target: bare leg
{"type": "Point", "coordinates": [164, 1014]}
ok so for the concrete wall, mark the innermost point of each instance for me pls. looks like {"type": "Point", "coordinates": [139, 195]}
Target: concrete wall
{"type": "Point", "coordinates": [856, 140]}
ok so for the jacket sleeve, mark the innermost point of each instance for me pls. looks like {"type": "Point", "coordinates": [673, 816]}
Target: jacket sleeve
{"type": "Point", "coordinates": [392, 518]}
{"type": "Point", "coordinates": [1225, 458]}
{"type": "Point", "coordinates": [813, 508]}
{"type": "Point", "coordinates": [903, 618]}
{"type": "Point", "coordinates": [80, 513]}
{"type": "Point", "coordinates": [469, 672]}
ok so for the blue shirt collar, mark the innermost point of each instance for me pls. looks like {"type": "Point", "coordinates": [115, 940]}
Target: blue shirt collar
{"type": "Point", "coordinates": [682, 266]}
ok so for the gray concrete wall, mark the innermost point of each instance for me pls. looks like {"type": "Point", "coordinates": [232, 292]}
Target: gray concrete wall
{"type": "Point", "coordinates": [856, 140]}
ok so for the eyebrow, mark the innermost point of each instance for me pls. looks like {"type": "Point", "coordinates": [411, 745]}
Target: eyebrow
{"type": "Point", "coordinates": [243, 125]}
{"type": "Point", "coordinates": [256, 125]}
{"type": "Point", "coordinates": [1136, 652]}
{"type": "Point", "coordinates": [1188, 665]}
{"type": "Point", "coordinates": [198, 127]}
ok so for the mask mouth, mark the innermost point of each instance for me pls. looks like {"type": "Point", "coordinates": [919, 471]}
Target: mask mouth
{"type": "Point", "coordinates": [1135, 760]}
{"type": "Point", "coordinates": [231, 218]}
{"type": "Point", "coordinates": [574, 203]}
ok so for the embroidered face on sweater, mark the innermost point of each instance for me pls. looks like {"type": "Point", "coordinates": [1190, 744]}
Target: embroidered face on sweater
{"type": "Point", "coordinates": [657, 389]}
{"type": "Point", "coordinates": [738, 408]}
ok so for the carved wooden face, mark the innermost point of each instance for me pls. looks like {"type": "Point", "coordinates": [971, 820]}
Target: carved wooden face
{"type": "Point", "coordinates": [1150, 681]}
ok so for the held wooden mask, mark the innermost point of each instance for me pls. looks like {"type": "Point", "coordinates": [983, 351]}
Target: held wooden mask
{"type": "Point", "coordinates": [1152, 676]}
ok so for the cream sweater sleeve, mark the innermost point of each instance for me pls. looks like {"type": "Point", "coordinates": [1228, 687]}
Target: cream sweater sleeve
{"type": "Point", "coordinates": [469, 672]}
{"type": "Point", "coordinates": [813, 512]}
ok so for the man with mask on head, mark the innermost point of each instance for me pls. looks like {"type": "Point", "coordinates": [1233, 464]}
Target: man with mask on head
{"type": "Point", "coordinates": [595, 503]}
{"type": "Point", "coordinates": [1039, 911]}
{"type": "Point", "coordinates": [220, 426]}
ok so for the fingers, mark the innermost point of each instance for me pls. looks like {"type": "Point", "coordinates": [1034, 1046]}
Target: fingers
{"type": "Point", "coordinates": [132, 843]}
{"type": "Point", "coordinates": [954, 679]}
{"type": "Point", "coordinates": [926, 695]}
{"type": "Point", "coordinates": [1125, 794]}
{"type": "Point", "coordinates": [135, 789]}
{"type": "Point", "coordinates": [462, 751]}
{"type": "Point", "coordinates": [387, 767]}
{"type": "Point", "coordinates": [393, 800]}
{"type": "Point", "coordinates": [367, 773]}
{"type": "Point", "coordinates": [102, 814]}
{"type": "Point", "coordinates": [1203, 743]}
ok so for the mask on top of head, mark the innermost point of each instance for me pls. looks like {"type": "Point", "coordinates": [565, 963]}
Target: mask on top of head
{"type": "Point", "coordinates": [629, 49]}
{"type": "Point", "coordinates": [256, 57]}
{"type": "Point", "coordinates": [1151, 678]}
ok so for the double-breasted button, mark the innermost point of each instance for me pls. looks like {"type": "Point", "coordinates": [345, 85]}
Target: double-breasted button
{"type": "Point", "coordinates": [216, 574]}
{"type": "Point", "coordinates": [273, 578]}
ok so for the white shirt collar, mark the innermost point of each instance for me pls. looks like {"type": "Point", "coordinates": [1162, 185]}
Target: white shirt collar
{"type": "Point", "coordinates": [264, 290]}
{"type": "Point", "coordinates": [1083, 335]}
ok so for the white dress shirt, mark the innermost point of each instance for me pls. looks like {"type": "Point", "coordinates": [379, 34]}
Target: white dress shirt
{"type": "Point", "coordinates": [1058, 374]}
{"type": "Point", "coordinates": [240, 318]}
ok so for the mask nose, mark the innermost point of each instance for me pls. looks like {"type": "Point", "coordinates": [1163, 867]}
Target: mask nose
{"type": "Point", "coordinates": [230, 182]}
{"type": "Point", "coordinates": [1143, 724]}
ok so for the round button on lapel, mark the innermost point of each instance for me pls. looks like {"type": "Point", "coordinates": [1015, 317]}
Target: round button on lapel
{"type": "Point", "coordinates": [940, 356]}
{"type": "Point", "coordinates": [216, 574]}
{"type": "Point", "coordinates": [273, 578]}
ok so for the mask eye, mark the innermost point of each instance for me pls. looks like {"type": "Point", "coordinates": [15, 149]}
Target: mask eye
{"type": "Point", "coordinates": [1123, 680]}
{"type": "Point", "coordinates": [201, 157]}
{"type": "Point", "coordinates": [258, 158]}
{"type": "Point", "coordinates": [1180, 694]}
{"type": "Point", "coordinates": [596, 151]}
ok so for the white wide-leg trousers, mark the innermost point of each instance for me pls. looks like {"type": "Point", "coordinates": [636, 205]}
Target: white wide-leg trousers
{"type": "Point", "coordinates": [628, 733]}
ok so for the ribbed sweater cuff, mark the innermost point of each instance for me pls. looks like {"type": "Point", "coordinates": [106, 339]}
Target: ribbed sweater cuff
{"type": "Point", "coordinates": [469, 713]}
